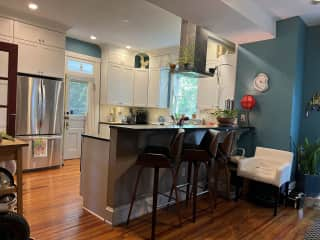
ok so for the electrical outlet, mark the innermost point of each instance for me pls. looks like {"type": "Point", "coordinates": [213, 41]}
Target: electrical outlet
{"type": "Point", "coordinates": [183, 172]}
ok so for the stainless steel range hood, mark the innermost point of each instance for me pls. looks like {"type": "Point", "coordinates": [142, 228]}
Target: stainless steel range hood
{"type": "Point", "coordinates": [194, 42]}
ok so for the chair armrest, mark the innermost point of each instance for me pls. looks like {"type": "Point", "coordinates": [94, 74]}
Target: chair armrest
{"type": "Point", "coordinates": [283, 174]}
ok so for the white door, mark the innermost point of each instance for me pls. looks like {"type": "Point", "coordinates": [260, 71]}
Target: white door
{"type": "Point", "coordinates": [141, 78]}
{"type": "Point", "coordinates": [76, 106]}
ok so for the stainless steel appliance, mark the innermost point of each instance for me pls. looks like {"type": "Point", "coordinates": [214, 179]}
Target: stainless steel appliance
{"type": "Point", "coordinates": [39, 120]}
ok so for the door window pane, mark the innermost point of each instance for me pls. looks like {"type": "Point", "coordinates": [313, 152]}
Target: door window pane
{"type": "Point", "coordinates": [78, 97]}
{"type": "Point", "coordinates": [81, 67]}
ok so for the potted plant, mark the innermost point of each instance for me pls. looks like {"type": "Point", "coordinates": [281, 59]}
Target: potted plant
{"type": "Point", "coordinates": [226, 117]}
{"type": "Point", "coordinates": [308, 173]}
{"type": "Point", "coordinates": [187, 56]}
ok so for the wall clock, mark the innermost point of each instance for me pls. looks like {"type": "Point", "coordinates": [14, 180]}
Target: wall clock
{"type": "Point", "coordinates": [261, 82]}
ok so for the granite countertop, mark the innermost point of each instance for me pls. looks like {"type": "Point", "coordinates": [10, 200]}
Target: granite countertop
{"type": "Point", "coordinates": [147, 127]}
{"type": "Point", "coordinates": [95, 136]}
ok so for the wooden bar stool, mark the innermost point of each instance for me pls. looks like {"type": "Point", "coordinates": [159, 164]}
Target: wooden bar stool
{"type": "Point", "coordinates": [222, 162]}
{"type": "Point", "coordinates": [195, 156]}
{"type": "Point", "coordinates": [159, 157]}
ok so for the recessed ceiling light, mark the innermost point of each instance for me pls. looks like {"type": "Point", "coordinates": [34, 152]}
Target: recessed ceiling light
{"type": "Point", "coordinates": [33, 6]}
{"type": "Point", "coordinates": [125, 20]}
{"type": "Point", "coordinates": [92, 37]}
{"type": "Point", "coordinates": [128, 47]}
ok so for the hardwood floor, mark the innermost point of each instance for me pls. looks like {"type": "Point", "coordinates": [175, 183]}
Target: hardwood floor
{"type": "Point", "coordinates": [53, 209]}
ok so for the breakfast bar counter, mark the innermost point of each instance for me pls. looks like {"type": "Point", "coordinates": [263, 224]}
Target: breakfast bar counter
{"type": "Point", "coordinates": [113, 171]}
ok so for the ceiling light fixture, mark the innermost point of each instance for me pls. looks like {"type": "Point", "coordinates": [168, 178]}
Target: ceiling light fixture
{"type": "Point", "coordinates": [92, 37]}
{"type": "Point", "coordinates": [315, 1]}
{"type": "Point", "coordinates": [128, 47]}
{"type": "Point", "coordinates": [125, 20]}
{"type": "Point", "coordinates": [33, 6]}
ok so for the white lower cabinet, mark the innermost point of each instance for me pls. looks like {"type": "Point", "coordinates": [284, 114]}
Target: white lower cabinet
{"type": "Point", "coordinates": [140, 92]}
{"type": "Point", "coordinates": [158, 89]}
{"type": "Point", "coordinates": [120, 85]}
{"type": "Point", "coordinates": [104, 130]}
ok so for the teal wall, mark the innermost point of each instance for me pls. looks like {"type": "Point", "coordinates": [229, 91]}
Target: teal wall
{"type": "Point", "coordinates": [85, 48]}
{"type": "Point", "coordinates": [282, 59]}
{"type": "Point", "coordinates": [310, 127]}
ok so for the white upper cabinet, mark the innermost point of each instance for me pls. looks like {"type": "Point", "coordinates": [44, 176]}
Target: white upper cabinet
{"type": "Point", "coordinates": [121, 57]}
{"type": "Point", "coordinates": [158, 88]}
{"type": "Point", "coordinates": [38, 35]}
{"type": "Point", "coordinates": [155, 62]}
{"type": "Point", "coordinates": [207, 93]}
{"type": "Point", "coordinates": [6, 29]}
{"type": "Point", "coordinates": [141, 79]}
{"type": "Point", "coordinates": [46, 61]}
{"type": "Point", "coordinates": [120, 85]}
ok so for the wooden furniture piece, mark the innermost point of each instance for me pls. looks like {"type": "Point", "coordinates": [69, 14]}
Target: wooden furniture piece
{"type": "Point", "coordinates": [202, 154]}
{"type": "Point", "coordinates": [8, 76]}
{"type": "Point", "coordinates": [268, 166]}
{"type": "Point", "coordinates": [12, 150]}
{"type": "Point", "coordinates": [159, 157]}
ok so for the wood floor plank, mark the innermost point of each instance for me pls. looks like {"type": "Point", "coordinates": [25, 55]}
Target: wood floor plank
{"type": "Point", "coordinates": [53, 208]}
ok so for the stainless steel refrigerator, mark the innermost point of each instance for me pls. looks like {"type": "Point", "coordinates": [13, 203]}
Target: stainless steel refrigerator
{"type": "Point", "coordinates": [39, 120]}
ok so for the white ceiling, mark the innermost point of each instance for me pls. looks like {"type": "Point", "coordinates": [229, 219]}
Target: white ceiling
{"type": "Point", "coordinates": [148, 26]}
{"type": "Point", "coordinates": [288, 8]}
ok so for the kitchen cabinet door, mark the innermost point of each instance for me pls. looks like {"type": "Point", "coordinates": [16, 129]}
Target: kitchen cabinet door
{"type": "Point", "coordinates": [155, 62]}
{"type": "Point", "coordinates": [113, 86]}
{"type": "Point", "coordinates": [52, 61]}
{"type": "Point", "coordinates": [141, 78]}
{"type": "Point", "coordinates": [104, 130]}
{"type": "Point", "coordinates": [29, 58]}
{"type": "Point", "coordinates": [6, 28]}
{"type": "Point", "coordinates": [126, 86]}
{"type": "Point", "coordinates": [38, 35]}
{"type": "Point", "coordinates": [207, 93]}
{"type": "Point", "coordinates": [153, 88]}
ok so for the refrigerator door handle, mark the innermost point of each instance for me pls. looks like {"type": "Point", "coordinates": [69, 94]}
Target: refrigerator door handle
{"type": "Point", "coordinates": [43, 101]}
{"type": "Point", "coordinates": [39, 104]}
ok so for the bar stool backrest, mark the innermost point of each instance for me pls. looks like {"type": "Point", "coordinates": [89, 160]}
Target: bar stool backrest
{"type": "Point", "coordinates": [210, 142]}
{"type": "Point", "coordinates": [176, 144]}
{"type": "Point", "coordinates": [226, 147]}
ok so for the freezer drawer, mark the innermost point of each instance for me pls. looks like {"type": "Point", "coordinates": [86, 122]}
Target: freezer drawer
{"type": "Point", "coordinates": [42, 152]}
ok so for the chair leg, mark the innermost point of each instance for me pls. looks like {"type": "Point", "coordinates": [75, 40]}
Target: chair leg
{"type": "Point", "coordinates": [195, 190]}
{"type": "Point", "coordinates": [227, 175]}
{"type": "Point", "coordinates": [174, 185]}
{"type": "Point", "coordinates": [276, 201]}
{"type": "Point", "coordinates": [286, 194]}
{"type": "Point", "coordinates": [133, 198]}
{"type": "Point", "coordinates": [216, 177]}
{"type": "Point", "coordinates": [154, 202]}
{"type": "Point", "coordinates": [209, 188]}
{"type": "Point", "coordinates": [238, 183]}
{"type": "Point", "coordinates": [174, 178]}
{"type": "Point", "coordinates": [188, 182]}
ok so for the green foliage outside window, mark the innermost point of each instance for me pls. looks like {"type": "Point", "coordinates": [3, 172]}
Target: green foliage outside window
{"type": "Point", "coordinates": [185, 95]}
{"type": "Point", "coordinates": [78, 97]}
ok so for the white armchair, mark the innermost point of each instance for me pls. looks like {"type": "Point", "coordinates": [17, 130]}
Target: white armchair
{"type": "Point", "coordinates": [269, 166]}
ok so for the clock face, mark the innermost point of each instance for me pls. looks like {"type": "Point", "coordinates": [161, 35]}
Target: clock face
{"type": "Point", "coordinates": [261, 82]}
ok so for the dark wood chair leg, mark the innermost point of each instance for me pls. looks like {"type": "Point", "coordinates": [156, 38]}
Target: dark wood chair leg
{"type": "Point", "coordinates": [286, 194]}
{"type": "Point", "coordinates": [227, 175]}
{"type": "Point", "coordinates": [211, 204]}
{"type": "Point", "coordinates": [195, 190]}
{"type": "Point", "coordinates": [216, 178]}
{"type": "Point", "coordinates": [238, 184]}
{"type": "Point", "coordinates": [174, 185]}
{"type": "Point", "coordinates": [174, 177]}
{"type": "Point", "coordinates": [154, 202]}
{"type": "Point", "coordinates": [133, 198]}
{"type": "Point", "coordinates": [188, 183]}
{"type": "Point", "coordinates": [276, 201]}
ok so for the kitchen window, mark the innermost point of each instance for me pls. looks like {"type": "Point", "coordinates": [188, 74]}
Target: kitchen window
{"type": "Point", "coordinates": [185, 95]}
{"type": "Point", "coordinates": [80, 67]}
{"type": "Point", "coordinates": [78, 97]}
